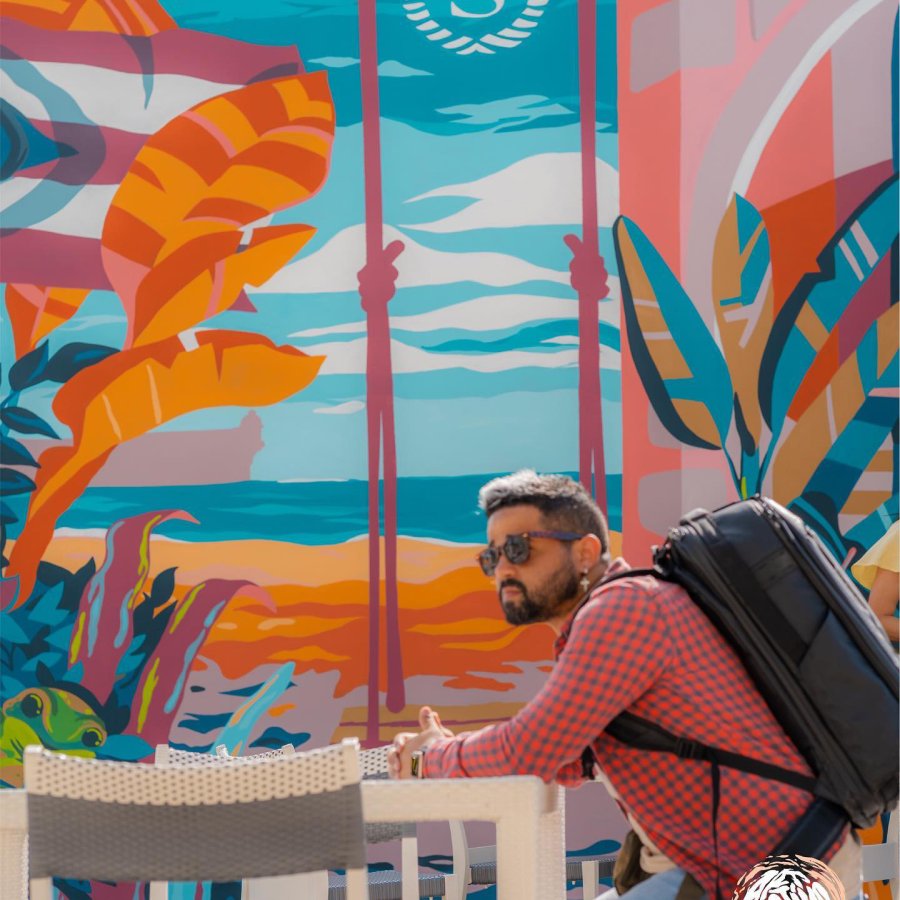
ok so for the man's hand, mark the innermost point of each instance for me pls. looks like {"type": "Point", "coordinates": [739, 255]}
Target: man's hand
{"type": "Point", "coordinates": [408, 742]}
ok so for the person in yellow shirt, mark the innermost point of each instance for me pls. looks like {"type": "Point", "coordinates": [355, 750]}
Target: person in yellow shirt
{"type": "Point", "coordinates": [879, 571]}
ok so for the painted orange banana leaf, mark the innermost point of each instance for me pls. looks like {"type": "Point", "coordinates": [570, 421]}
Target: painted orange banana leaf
{"type": "Point", "coordinates": [132, 392]}
{"type": "Point", "coordinates": [138, 17]}
{"type": "Point", "coordinates": [35, 311]}
{"type": "Point", "coordinates": [178, 244]}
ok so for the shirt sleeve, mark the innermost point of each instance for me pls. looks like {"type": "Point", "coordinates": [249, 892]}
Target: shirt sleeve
{"type": "Point", "coordinates": [618, 647]}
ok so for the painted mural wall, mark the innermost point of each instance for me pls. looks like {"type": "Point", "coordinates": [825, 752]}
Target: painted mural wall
{"type": "Point", "coordinates": [285, 283]}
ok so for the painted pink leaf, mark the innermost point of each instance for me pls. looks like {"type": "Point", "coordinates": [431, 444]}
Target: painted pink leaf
{"type": "Point", "coordinates": [165, 676]}
{"type": "Point", "coordinates": [104, 626]}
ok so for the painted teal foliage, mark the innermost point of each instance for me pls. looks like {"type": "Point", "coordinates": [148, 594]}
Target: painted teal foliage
{"type": "Point", "coordinates": [845, 264]}
{"type": "Point", "coordinates": [828, 292]}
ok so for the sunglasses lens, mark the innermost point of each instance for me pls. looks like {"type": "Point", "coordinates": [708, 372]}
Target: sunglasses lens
{"type": "Point", "coordinates": [517, 549]}
{"type": "Point", "coordinates": [488, 559]}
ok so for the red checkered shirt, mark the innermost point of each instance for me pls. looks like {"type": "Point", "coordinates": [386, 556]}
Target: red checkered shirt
{"type": "Point", "coordinates": [642, 645]}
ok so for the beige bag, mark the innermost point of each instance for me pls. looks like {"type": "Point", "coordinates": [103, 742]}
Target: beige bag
{"type": "Point", "coordinates": [627, 871]}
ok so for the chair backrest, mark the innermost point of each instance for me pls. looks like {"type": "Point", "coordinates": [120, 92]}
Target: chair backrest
{"type": "Point", "coordinates": [115, 821]}
{"type": "Point", "coordinates": [172, 756]}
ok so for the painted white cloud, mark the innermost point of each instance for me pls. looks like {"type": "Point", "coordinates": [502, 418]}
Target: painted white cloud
{"type": "Point", "coordinates": [539, 190]}
{"type": "Point", "coordinates": [392, 68]}
{"type": "Point", "coordinates": [342, 409]}
{"type": "Point", "coordinates": [349, 358]}
{"type": "Point", "coordinates": [336, 62]}
{"type": "Point", "coordinates": [334, 266]}
{"type": "Point", "coordinates": [484, 314]}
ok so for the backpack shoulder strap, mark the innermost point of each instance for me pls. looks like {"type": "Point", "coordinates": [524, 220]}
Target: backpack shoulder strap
{"type": "Point", "coordinates": [642, 734]}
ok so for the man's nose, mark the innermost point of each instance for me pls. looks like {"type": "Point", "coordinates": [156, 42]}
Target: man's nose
{"type": "Point", "coordinates": [504, 568]}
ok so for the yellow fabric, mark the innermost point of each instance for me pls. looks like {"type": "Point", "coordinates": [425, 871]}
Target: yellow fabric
{"type": "Point", "coordinates": [883, 554]}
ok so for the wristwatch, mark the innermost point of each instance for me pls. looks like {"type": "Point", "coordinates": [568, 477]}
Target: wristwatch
{"type": "Point", "coordinates": [417, 764]}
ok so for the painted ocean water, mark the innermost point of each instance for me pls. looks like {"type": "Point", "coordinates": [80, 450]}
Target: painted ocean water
{"type": "Point", "coordinates": [309, 513]}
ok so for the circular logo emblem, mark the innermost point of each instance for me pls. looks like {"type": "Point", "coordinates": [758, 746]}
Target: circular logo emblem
{"type": "Point", "coordinates": [475, 26]}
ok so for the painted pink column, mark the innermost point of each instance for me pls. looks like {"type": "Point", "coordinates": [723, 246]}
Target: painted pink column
{"type": "Point", "coordinates": [377, 284]}
{"type": "Point", "coordinates": [649, 176]}
{"type": "Point", "coordinates": [588, 273]}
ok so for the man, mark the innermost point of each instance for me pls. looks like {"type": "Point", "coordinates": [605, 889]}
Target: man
{"type": "Point", "coordinates": [636, 644]}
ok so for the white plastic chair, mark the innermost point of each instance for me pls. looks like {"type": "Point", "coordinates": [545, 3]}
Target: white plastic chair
{"type": "Point", "coordinates": [480, 863]}
{"type": "Point", "coordinates": [880, 862]}
{"type": "Point", "coordinates": [409, 883]}
{"type": "Point", "coordinates": [529, 816]}
{"type": "Point", "coordinates": [115, 821]}
{"type": "Point", "coordinates": [13, 845]}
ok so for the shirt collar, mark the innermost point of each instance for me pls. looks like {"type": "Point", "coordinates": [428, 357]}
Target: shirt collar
{"type": "Point", "coordinates": [617, 566]}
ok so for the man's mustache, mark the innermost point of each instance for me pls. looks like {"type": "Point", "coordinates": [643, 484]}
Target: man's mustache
{"type": "Point", "coordinates": [511, 582]}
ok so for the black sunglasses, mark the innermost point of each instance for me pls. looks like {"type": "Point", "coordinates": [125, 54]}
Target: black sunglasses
{"type": "Point", "coordinates": [517, 548]}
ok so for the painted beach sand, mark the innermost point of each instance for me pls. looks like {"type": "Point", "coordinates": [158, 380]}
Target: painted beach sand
{"type": "Point", "coordinates": [453, 636]}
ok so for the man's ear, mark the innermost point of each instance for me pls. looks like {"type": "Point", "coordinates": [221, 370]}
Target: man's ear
{"type": "Point", "coordinates": [588, 552]}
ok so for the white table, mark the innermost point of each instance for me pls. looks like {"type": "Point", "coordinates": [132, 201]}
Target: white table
{"type": "Point", "coordinates": [529, 816]}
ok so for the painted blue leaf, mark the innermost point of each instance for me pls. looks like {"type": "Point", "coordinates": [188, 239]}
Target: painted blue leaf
{"type": "Point", "coordinates": [23, 145]}
{"type": "Point", "coordinates": [7, 516]}
{"type": "Point", "coordinates": [126, 747]}
{"type": "Point", "coordinates": [25, 421]}
{"type": "Point", "coordinates": [74, 357]}
{"type": "Point", "coordinates": [236, 733]}
{"type": "Point", "coordinates": [815, 306]}
{"type": "Point", "coordinates": [29, 370]}
{"type": "Point", "coordinates": [12, 453]}
{"type": "Point", "coordinates": [12, 481]}
{"type": "Point", "coordinates": [849, 456]}
{"type": "Point", "coordinates": [12, 631]}
{"type": "Point", "coordinates": [679, 362]}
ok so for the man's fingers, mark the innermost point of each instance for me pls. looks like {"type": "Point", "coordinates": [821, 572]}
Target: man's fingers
{"type": "Point", "coordinates": [446, 732]}
{"type": "Point", "coordinates": [429, 720]}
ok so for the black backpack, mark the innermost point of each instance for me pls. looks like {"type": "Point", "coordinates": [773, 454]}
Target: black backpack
{"type": "Point", "coordinates": [813, 647]}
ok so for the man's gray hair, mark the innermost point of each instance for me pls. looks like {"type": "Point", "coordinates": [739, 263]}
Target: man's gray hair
{"type": "Point", "coordinates": [563, 502]}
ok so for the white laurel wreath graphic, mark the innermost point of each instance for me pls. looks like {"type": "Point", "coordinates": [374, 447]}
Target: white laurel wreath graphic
{"type": "Point", "coordinates": [418, 13]}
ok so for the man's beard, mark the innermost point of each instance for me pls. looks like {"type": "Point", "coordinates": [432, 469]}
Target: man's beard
{"type": "Point", "coordinates": [547, 601]}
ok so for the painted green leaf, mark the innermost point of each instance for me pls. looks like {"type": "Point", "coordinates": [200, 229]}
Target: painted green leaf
{"type": "Point", "coordinates": [29, 370]}
{"type": "Point", "coordinates": [25, 421]}
{"type": "Point", "coordinates": [12, 481]}
{"type": "Point", "coordinates": [12, 453]}
{"type": "Point", "coordinates": [72, 358]}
